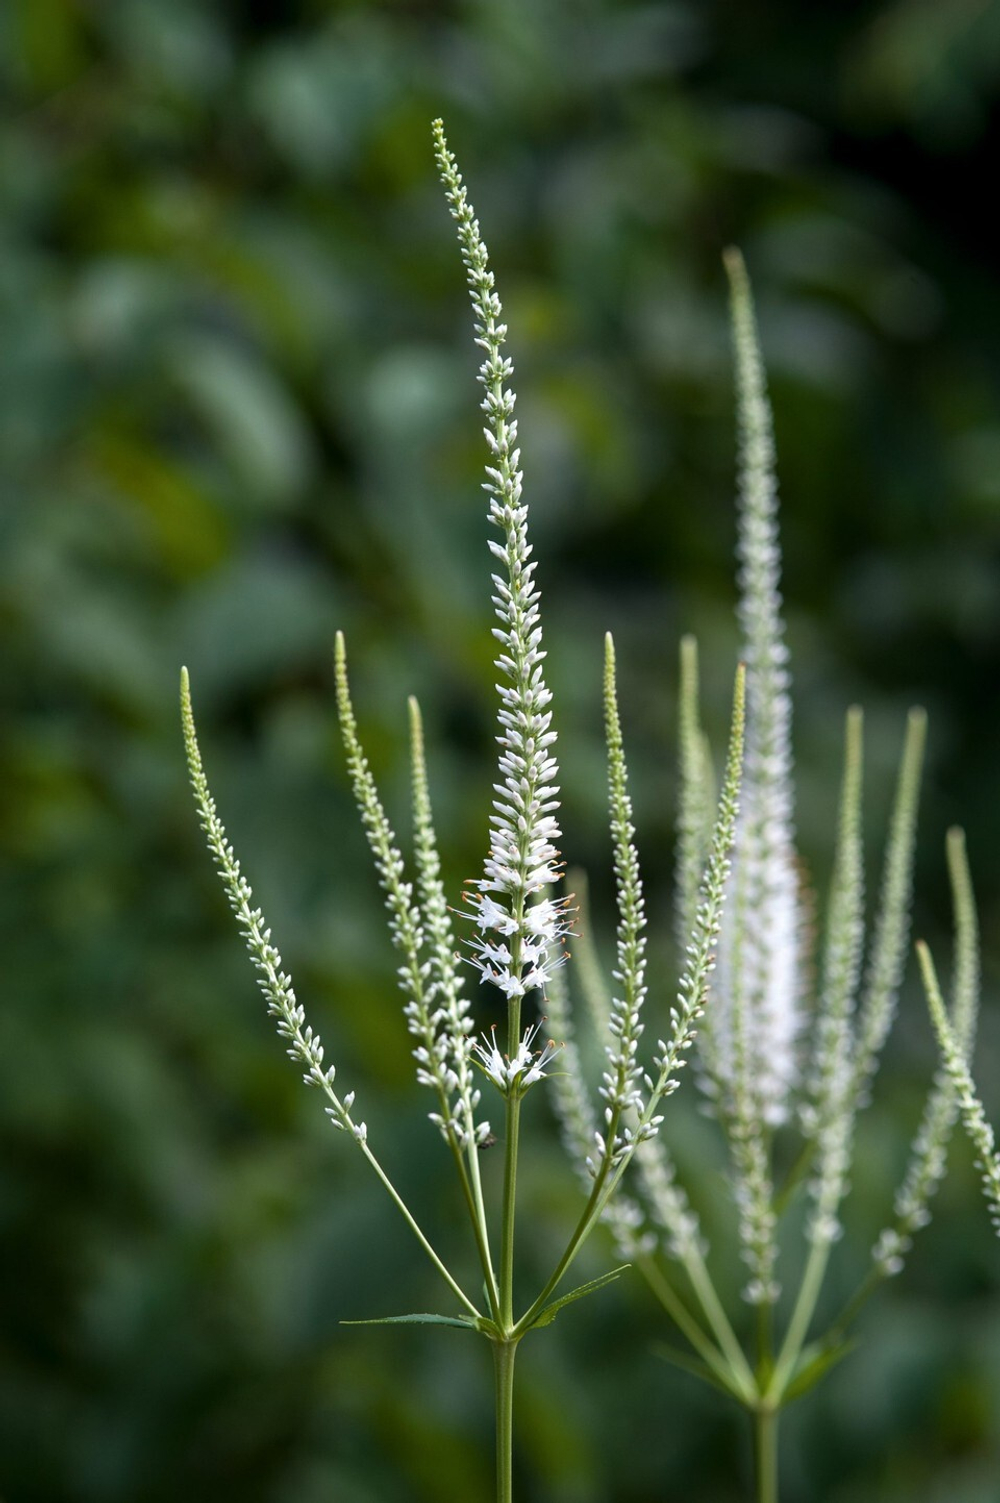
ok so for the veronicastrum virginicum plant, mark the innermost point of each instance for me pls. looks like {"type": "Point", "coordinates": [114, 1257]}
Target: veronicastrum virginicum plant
{"type": "Point", "coordinates": [772, 1057]}
{"type": "Point", "coordinates": [514, 922]}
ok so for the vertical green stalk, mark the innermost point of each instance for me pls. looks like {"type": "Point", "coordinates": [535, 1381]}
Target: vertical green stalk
{"type": "Point", "coordinates": [511, 1135]}
{"type": "Point", "coordinates": [504, 1353]}
{"type": "Point", "coordinates": [765, 1436]}
{"type": "Point", "coordinates": [505, 1350]}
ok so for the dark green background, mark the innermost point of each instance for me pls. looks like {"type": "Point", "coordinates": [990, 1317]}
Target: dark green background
{"type": "Point", "coordinates": [237, 411]}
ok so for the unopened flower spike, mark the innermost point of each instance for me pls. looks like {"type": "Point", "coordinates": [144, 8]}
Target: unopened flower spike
{"type": "Point", "coordinates": [928, 1151]}
{"type": "Point", "coordinates": [956, 1064]}
{"type": "Point", "coordinates": [304, 1044]}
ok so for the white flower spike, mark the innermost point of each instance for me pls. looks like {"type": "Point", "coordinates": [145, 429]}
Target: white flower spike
{"type": "Point", "coordinates": [523, 859]}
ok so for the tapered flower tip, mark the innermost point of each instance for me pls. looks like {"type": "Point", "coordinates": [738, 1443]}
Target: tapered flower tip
{"type": "Point", "coordinates": [732, 260]}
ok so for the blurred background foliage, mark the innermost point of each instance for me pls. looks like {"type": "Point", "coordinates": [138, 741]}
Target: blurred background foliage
{"type": "Point", "coordinates": [238, 411]}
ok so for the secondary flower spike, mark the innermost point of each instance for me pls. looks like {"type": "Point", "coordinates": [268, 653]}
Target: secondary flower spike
{"type": "Point", "coordinates": [519, 942]}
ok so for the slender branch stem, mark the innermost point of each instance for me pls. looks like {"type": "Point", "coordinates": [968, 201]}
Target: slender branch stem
{"type": "Point", "coordinates": [872, 1280]}
{"type": "Point", "coordinates": [685, 1322]}
{"type": "Point", "coordinates": [794, 1178]}
{"type": "Point", "coordinates": [468, 1174]}
{"type": "Point", "coordinates": [415, 1229]}
{"type": "Point", "coordinates": [798, 1326]}
{"type": "Point", "coordinates": [701, 1282]}
{"type": "Point", "coordinates": [603, 1188]}
{"type": "Point", "coordinates": [477, 1210]}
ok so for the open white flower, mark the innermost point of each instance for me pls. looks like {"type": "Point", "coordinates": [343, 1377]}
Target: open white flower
{"type": "Point", "coordinates": [527, 1066]}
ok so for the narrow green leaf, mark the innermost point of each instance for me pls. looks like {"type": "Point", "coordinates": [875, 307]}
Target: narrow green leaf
{"type": "Point", "coordinates": [546, 1316]}
{"type": "Point", "coordinates": [463, 1323]}
{"type": "Point", "coordinates": [697, 1368]}
{"type": "Point", "coordinates": [816, 1360]}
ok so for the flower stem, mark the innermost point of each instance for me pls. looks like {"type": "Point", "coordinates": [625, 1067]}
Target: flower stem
{"type": "Point", "coordinates": [503, 1371]}
{"type": "Point", "coordinates": [798, 1326]}
{"type": "Point", "coordinates": [401, 1205]}
{"type": "Point", "coordinates": [724, 1334]}
{"type": "Point", "coordinates": [512, 1111]}
{"type": "Point", "coordinates": [686, 1322]}
{"type": "Point", "coordinates": [477, 1210]}
{"type": "Point", "coordinates": [507, 1228]}
{"type": "Point", "coordinates": [765, 1434]}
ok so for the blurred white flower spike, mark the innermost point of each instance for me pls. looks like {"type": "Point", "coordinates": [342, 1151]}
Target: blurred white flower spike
{"type": "Point", "coordinates": [757, 1014]}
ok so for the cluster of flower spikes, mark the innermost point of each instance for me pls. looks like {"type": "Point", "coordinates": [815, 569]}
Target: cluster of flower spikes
{"type": "Point", "coordinates": [519, 942]}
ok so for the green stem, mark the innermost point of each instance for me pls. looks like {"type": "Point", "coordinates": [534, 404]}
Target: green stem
{"type": "Point", "coordinates": [604, 1185]}
{"type": "Point", "coordinates": [798, 1326]}
{"type": "Point", "coordinates": [795, 1177]}
{"type": "Point", "coordinates": [686, 1322]}
{"type": "Point", "coordinates": [512, 1113]}
{"type": "Point", "coordinates": [765, 1348]}
{"type": "Point", "coordinates": [765, 1436]}
{"type": "Point", "coordinates": [701, 1281]}
{"type": "Point", "coordinates": [411, 1222]}
{"type": "Point", "coordinates": [503, 1372]}
{"type": "Point", "coordinates": [507, 1226]}
{"type": "Point", "coordinates": [855, 1304]}
{"type": "Point", "coordinates": [477, 1210]}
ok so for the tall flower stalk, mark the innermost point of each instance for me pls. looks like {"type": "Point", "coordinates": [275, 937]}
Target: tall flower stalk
{"type": "Point", "coordinates": [513, 925]}
{"type": "Point", "coordinates": [777, 1054]}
